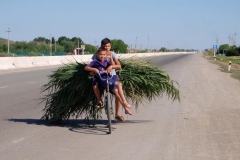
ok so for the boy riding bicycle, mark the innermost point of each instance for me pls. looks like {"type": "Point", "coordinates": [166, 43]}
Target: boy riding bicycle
{"type": "Point", "coordinates": [100, 65]}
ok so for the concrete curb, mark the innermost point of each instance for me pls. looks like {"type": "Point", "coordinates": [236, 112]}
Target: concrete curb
{"type": "Point", "coordinates": [28, 62]}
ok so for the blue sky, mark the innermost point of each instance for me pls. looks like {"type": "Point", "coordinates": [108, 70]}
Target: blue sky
{"type": "Point", "coordinates": [193, 24]}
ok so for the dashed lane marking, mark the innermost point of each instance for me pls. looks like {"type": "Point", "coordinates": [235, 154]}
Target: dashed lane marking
{"type": "Point", "coordinates": [4, 87]}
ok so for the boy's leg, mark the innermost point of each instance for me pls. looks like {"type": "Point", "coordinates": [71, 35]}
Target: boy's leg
{"type": "Point", "coordinates": [118, 97]}
{"type": "Point", "coordinates": [123, 99]}
{"type": "Point", "coordinates": [117, 102]}
{"type": "Point", "coordinates": [117, 105]}
{"type": "Point", "coordinates": [96, 91]}
{"type": "Point", "coordinates": [118, 114]}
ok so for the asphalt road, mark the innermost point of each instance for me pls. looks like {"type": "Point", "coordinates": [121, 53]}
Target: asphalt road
{"type": "Point", "coordinates": [205, 125]}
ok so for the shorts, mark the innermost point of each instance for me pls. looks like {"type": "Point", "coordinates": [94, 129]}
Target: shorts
{"type": "Point", "coordinates": [96, 81]}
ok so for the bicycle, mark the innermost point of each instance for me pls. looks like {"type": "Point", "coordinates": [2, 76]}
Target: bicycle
{"type": "Point", "coordinates": [107, 99]}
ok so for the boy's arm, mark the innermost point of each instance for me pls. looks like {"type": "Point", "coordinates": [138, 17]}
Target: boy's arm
{"type": "Point", "coordinates": [90, 68]}
{"type": "Point", "coordinates": [117, 64]}
{"type": "Point", "coordinates": [112, 61]}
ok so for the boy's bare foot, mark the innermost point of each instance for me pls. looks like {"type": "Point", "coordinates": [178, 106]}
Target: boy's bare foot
{"type": "Point", "coordinates": [120, 118]}
{"type": "Point", "coordinates": [126, 105]}
{"type": "Point", "coordinates": [127, 111]}
{"type": "Point", "coordinates": [99, 105]}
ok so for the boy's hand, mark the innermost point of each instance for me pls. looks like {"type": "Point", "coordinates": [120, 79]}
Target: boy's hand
{"type": "Point", "coordinates": [109, 69]}
{"type": "Point", "coordinates": [109, 55]}
{"type": "Point", "coordinates": [96, 71]}
{"type": "Point", "coordinates": [92, 73]}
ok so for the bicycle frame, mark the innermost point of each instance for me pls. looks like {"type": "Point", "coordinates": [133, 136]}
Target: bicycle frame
{"type": "Point", "coordinates": [108, 103]}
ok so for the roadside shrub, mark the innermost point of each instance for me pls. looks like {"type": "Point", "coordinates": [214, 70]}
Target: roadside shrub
{"type": "Point", "coordinates": [7, 55]}
{"type": "Point", "coordinates": [232, 52]}
{"type": "Point", "coordinates": [3, 55]}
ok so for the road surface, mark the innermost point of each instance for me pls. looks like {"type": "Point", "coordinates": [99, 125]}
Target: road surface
{"type": "Point", "coordinates": [205, 125]}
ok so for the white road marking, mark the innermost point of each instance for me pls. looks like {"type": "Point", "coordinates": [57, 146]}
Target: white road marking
{"type": "Point", "coordinates": [4, 87]}
{"type": "Point", "coordinates": [19, 140]}
{"type": "Point", "coordinates": [31, 82]}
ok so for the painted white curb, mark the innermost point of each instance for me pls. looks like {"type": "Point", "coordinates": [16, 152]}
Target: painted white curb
{"type": "Point", "coordinates": [26, 62]}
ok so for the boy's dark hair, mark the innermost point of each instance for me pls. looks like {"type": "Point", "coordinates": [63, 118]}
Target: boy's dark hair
{"type": "Point", "coordinates": [105, 41]}
{"type": "Point", "coordinates": [100, 50]}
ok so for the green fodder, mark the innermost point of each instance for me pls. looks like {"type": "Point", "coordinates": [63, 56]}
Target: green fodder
{"type": "Point", "coordinates": [69, 90]}
{"type": "Point", "coordinates": [144, 82]}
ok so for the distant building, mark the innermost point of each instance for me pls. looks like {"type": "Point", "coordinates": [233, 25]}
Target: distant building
{"type": "Point", "coordinates": [77, 51]}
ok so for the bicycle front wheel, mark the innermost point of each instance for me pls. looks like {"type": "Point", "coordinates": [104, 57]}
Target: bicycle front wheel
{"type": "Point", "coordinates": [109, 113]}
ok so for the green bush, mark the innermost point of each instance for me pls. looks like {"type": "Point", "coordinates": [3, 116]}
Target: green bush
{"type": "Point", "coordinates": [7, 54]}
{"type": "Point", "coordinates": [232, 52]}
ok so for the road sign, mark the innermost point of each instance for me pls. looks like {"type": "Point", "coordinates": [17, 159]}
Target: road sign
{"type": "Point", "coordinates": [215, 47]}
{"type": "Point", "coordinates": [82, 46]}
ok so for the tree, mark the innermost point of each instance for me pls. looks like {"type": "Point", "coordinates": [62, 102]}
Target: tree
{"type": "Point", "coordinates": [32, 47]}
{"type": "Point", "coordinates": [68, 46]}
{"type": "Point", "coordinates": [232, 52]}
{"type": "Point", "coordinates": [41, 39]}
{"type": "Point", "coordinates": [223, 47]}
{"type": "Point", "coordinates": [62, 38]}
{"type": "Point", "coordinates": [90, 48]}
{"type": "Point", "coordinates": [163, 49]}
{"type": "Point", "coordinates": [43, 48]}
{"type": "Point", "coordinates": [177, 50]}
{"type": "Point", "coordinates": [19, 46]}
{"type": "Point", "coordinates": [4, 48]}
{"type": "Point", "coordinates": [119, 46]}
{"type": "Point", "coordinates": [238, 49]}
{"type": "Point", "coordinates": [58, 48]}
{"type": "Point", "coordinates": [53, 40]}
{"type": "Point", "coordinates": [1, 47]}
{"type": "Point", "coordinates": [77, 41]}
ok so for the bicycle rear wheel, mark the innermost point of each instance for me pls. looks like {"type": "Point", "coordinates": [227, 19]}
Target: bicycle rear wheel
{"type": "Point", "coordinates": [109, 113]}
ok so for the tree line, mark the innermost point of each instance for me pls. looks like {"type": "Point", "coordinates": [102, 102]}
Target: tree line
{"type": "Point", "coordinates": [62, 44]}
{"type": "Point", "coordinates": [67, 45]}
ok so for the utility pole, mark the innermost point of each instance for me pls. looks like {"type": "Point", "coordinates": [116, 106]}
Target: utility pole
{"type": "Point", "coordinates": [55, 46]}
{"type": "Point", "coordinates": [148, 43]}
{"type": "Point", "coordinates": [136, 45]}
{"type": "Point", "coordinates": [229, 41]}
{"type": "Point", "coordinates": [8, 37]}
{"type": "Point", "coordinates": [234, 36]}
{"type": "Point", "coordinates": [50, 45]}
{"type": "Point", "coordinates": [217, 43]}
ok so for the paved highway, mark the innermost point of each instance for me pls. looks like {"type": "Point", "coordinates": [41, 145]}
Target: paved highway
{"type": "Point", "coordinates": [205, 125]}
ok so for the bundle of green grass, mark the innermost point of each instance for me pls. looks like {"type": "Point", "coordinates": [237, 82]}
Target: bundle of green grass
{"type": "Point", "coordinates": [70, 94]}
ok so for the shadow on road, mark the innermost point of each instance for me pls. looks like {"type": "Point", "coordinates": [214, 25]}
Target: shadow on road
{"type": "Point", "coordinates": [98, 127]}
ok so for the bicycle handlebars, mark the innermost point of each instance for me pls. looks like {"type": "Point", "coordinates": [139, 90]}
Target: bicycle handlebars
{"type": "Point", "coordinates": [108, 77]}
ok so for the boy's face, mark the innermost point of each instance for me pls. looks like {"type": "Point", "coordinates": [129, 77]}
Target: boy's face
{"type": "Point", "coordinates": [107, 47]}
{"type": "Point", "coordinates": [101, 55]}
